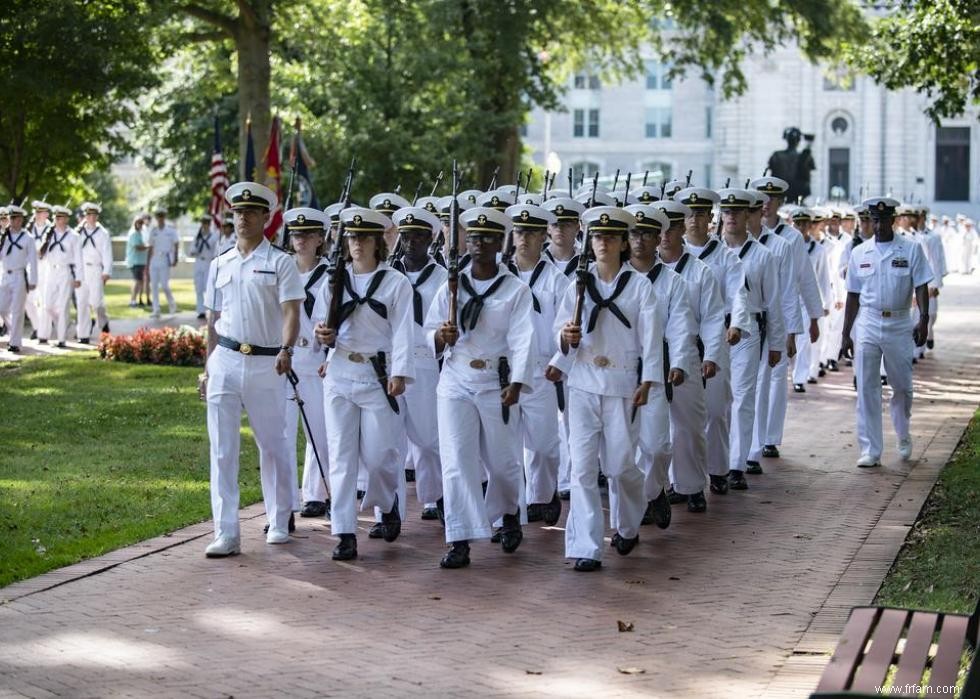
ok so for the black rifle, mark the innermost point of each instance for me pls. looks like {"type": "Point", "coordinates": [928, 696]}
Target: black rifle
{"type": "Point", "coordinates": [380, 365]}
{"type": "Point", "coordinates": [452, 280]}
{"type": "Point", "coordinates": [493, 179]}
{"type": "Point", "coordinates": [582, 273]}
{"type": "Point", "coordinates": [503, 375]}
{"type": "Point", "coordinates": [294, 381]}
{"type": "Point", "coordinates": [338, 260]}
{"type": "Point", "coordinates": [718, 230]}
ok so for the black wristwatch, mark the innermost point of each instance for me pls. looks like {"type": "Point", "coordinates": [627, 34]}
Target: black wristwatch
{"type": "Point", "coordinates": [287, 349]}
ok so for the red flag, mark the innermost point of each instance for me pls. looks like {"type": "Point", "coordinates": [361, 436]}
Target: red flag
{"type": "Point", "coordinates": [273, 173]}
{"type": "Point", "coordinates": [219, 182]}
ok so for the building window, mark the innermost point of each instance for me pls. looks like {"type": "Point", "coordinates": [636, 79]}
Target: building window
{"type": "Point", "coordinates": [658, 76]}
{"type": "Point", "coordinates": [585, 123]}
{"type": "Point", "coordinates": [953, 163]}
{"type": "Point", "coordinates": [583, 81]}
{"type": "Point", "coordinates": [593, 123]}
{"type": "Point", "coordinates": [839, 178]}
{"type": "Point", "coordinates": [578, 123]}
{"type": "Point", "coordinates": [658, 122]}
{"type": "Point", "coordinates": [707, 122]}
{"type": "Point", "coordinates": [584, 170]}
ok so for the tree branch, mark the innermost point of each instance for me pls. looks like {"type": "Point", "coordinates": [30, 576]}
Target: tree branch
{"type": "Point", "coordinates": [224, 23]}
{"type": "Point", "coordinates": [246, 9]}
{"type": "Point", "coordinates": [201, 37]}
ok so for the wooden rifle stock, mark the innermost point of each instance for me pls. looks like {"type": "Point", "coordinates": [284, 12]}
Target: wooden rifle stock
{"type": "Point", "coordinates": [582, 273]}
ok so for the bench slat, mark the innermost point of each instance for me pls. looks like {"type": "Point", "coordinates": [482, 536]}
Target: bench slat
{"type": "Point", "coordinates": [840, 669]}
{"type": "Point", "coordinates": [874, 665]}
{"type": "Point", "coordinates": [946, 664]}
{"type": "Point", "coordinates": [912, 662]}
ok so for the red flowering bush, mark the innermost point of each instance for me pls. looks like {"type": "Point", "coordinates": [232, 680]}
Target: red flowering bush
{"type": "Point", "coordinates": [182, 346]}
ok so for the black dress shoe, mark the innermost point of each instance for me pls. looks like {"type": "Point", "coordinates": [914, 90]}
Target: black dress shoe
{"type": "Point", "coordinates": [313, 508]}
{"type": "Point", "coordinates": [534, 513]}
{"type": "Point", "coordinates": [551, 512]}
{"type": "Point", "coordinates": [821, 374]}
{"type": "Point", "coordinates": [61, 345]}
{"type": "Point", "coordinates": [602, 481]}
{"type": "Point", "coordinates": [13, 348]}
{"type": "Point", "coordinates": [696, 502]}
{"type": "Point", "coordinates": [832, 365]}
{"type": "Point", "coordinates": [377, 531]}
{"type": "Point", "coordinates": [770, 451]}
{"type": "Point", "coordinates": [458, 555]}
{"type": "Point", "coordinates": [105, 328]}
{"type": "Point", "coordinates": [511, 535]}
{"type": "Point", "coordinates": [495, 539]}
{"type": "Point", "coordinates": [811, 381]}
{"type": "Point", "coordinates": [42, 341]}
{"type": "Point", "coordinates": [391, 523]}
{"type": "Point", "coordinates": [33, 335]}
{"type": "Point", "coordinates": [647, 514]}
{"type": "Point", "coordinates": [799, 388]}
{"type": "Point", "coordinates": [719, 485]}
{"type": "Point", "coordinates": [409, 475]}
{"type": "Point", "coordinates": [441, 509]}
{"type": "Point", "coordinates": [83, 340]}
{"type": "Point", "coordinates": [930, 344]}
{"type": "Point", "coordinates": [360, 494]}
{"type": "Point", "coordinates": [624, 546]}
{"type": "Point", "coordinates": [736, 480]}
{"type": "Point", "coordinates": [884, 380]}
{"type": "Point", "coordinates": [291, 526]}
{"type": "Point", "coordinates": [587, 565]}
{"type": "Point", "coordinates": [564, 495]}
{"type": "Point", "coordinates": [661, 510]}
{"type": "Point", "coordinates": [202, 316]}
{"type": "Point", "coordinates": [346, 550]}
{"type": "Point", "coordinates": [675, 498]}
{"type": "Point", "coordinates": [914, 360]}
{"type": "Point", "coordinates": [430, 513]}
{"type": "Point", "coordinates": [753, 467]}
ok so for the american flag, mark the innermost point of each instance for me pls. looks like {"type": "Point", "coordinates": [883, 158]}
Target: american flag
{"type": "Point", "coordinates": [219, 182]}
{"type": "Point", "coordinates": [273, 172]}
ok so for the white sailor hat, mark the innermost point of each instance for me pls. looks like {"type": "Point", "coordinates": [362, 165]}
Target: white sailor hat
{"type": "Point", "coordinates": [358, 219]}
{"type": "Point", "coordinates": [160, 210]}
{"type": "Point", "coordinates": [303, 218]}
{"type": "Point", "coordinates": [733, 198]}
{"type": "Point", "coordinates": [39, 205]}
{"type": "Point", "coordinates": [880, 206]}
{"type": "Point", "coordinates": [15, 210]}
{"type": "Point", "coordinates": [564, 208]}
{"type": "Point", "coordinates": [205, 216]}
{"type": "Point", "coordinates": [333, 212]}
{"type": "Point", "coordinates": [621, 197]}
{"type": "Point", "coordinates": [430, 204]}
{"type": "Point", "coordinates": [415, 218]}
{"type": "Point", "coordinates": [601, 199]}
{"type": "Point", "coordinates": [608, 219]}
{"type": "Point", "coordinates": [529, 198]}
{"type": "Point", "coordinates": [443, 204]}
{"type": "Point", "coordinates": [801, 213]}
{"type": "Point", "coordinates": [91, 207]}
{"type": "Point", "coordinates": [4, 211]}
{"type": "Point", "coordinates": [820, 213]}
{"type": "Point", "coordinates": [388, 202]}
{"type": "Point", "coordinates": [508, 189]}
{"type": "Point", "coordinates": [58, 210]}
{"type": "Point", "coordinates": [758, 199]}
{"type": "Point", "coordinates": [471, 195]}
{"type": "Point", "coordinates": [673, 187]}
{"type": "Point", "coordinates": [645, 194]}
{"type": "Point", "coordinates": [696, 197]}
{"type": "Point", "coordinates": [773, 186]}
{"type": "Point", "coordinates": [861, 211]}
{"type": "Point", "coordinates": [648, 217]}
{"type": "Point", "coordinates": [673, 210]}
{"type": "Point", "coordinates": [586, 189]}
{"type": "Point", "coordinates": [497, 199]}
{"type": "Point", "coordinates": [905, 210]}
{"type": "Point", "coordinates": [250, 195]}
{"type": "Point", "coordinates": [530, 216]}
{"type": "Point", "coordinates": [485, 219]}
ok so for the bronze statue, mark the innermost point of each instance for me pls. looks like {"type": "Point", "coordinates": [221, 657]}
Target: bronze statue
{"type": "Point", "coordinates": [793, 166]}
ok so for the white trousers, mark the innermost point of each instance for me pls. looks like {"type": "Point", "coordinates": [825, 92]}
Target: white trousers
{"type": "Point", "coordinates": [236, 381]}
{"type": "Point", "coordinates": [90, 297]}
{"type": "Point", "coordinates": [56, 289]}
{"type": "Point", "coordinates": [13, 297]}
{"type": "Point", "coordinates": [718, 399]}
{"type": "Point", "coordinates": [831, 333]}
{"type": "Point", "coordinates": [160, 277]}
{"type": "Point", "coordinates": [653, 420]}
{"type": "Point", "coordinates": [894, 346]}
{"type": "Point", "coordinates": [201, 268]}
{"type": "Point", "coordinates": [310, 389]}
{"type": "Point", "coordinates": [539, 424]}
{"type": "Point", "coordinates": [423, 431]}
{"type": "Point", "coordinates": [475, 443]}
{"type": "Point", "coordinates": [362, 432]}
{"type": "Point", "coordinates": [688, 420]}
{"type": "Point", "coordinates": [600, 429]}
{"type": "Point", "coordinates": [564, 458]}
{"type": "Point", "coordinates": [32, 306]}
{"type": "Point", "coordinates": [745, 376]}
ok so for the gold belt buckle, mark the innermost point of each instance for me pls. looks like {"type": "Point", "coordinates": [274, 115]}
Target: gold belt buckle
{"type": "Point", "coordinates": [303, 342]}
{"type": "Point", "coordinates": [478, 364]}
{"type": "Point", "coordinates": [886, 314]}
{"type": "Point", "coordinates": [356, 357]}
{"type": "Point", "coordinates": [601, 361]}
{"type": "Point", "coordinates": [245, 348]}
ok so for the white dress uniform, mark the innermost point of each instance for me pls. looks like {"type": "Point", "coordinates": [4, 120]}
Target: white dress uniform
{"type": "Point", "coordinates": [96, 246]}
{"type": "Point", "coordinates": [790, 301]}
{"type": "Point", "coordinates": [248, 292]}
{"type": "Point", "coordinates": [227, 242]}
{"type": "Point", "coordinates": [885, 275]}
{"type": "Point", "coordinates": [203, 250]}
{"type": "Point", "coordinates": [764, 305]}
{"type": "Point", "coordinates": [730, 277]}
{"type": "Point", "coordinates": [62, 262]}
{"type": "Point", "coordinates": [364, 429]}
{"type": "Point", "coordinates": [807, 360]}
{"type": "Point", "coordinates": [307, 358]}
{"type": "Point", "coordinates": [162, 241]}
{"type": "Point", "coordinates": [33, 307]}
{"type": "Point", "coordinates": [932, 246]}
{"type": "Point", "coordinates": [496, 325]}
{"type": "Point", "coordinates": [836, 245]}
{"type": "Point", "coordinates": [602, 379]}
{"type": "Point", "coordinates": [18, 270]}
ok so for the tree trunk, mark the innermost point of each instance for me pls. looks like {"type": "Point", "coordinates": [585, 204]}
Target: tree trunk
{"type": "Point", "coordinates": [252, 41]}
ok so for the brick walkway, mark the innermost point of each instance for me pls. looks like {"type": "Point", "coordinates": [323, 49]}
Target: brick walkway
{"type": "Point", "coordinates": [743, 601]}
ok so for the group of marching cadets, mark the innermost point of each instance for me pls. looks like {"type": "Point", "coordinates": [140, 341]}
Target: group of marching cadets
{"type": "Point", "coordinates": [43, 262]}
{"type": "Point", "coordinates": [586, 339]}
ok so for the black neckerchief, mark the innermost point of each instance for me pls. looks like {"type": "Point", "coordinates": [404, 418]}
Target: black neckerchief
{"type": "Point", "coordinates": [779, 229]}
{"type": "Point", "coordinates": [744, 250]}
{"type": "Point", "coordinates": [708, 249]}
{"type": "Point", "coordinates": [809, 250]}
{"type": "Point", "coordinates": [201, 242]}
{"type": "Point", "coordinates": [655, 271]}
{"type": "Point", "coordinates": [11, 243]}
{"type": "Point", "coordinates": [55, 241]}
{"type": "Point", "coordinates": [416, 294]}
{"type": "Point", "coordinates": [682, 263]}
{"type": "Point", "coordinates": [764, 239]}
{"type": "Point", "coordinates": [570, 265]}
{"type": "Point", "coordinates": [470, 313]}
{"type": "Point", "coordinates": [538, 269]}
{"type": "Point", "coordinates": [89, 237]}
{"type": "Point", "coordinates": [310, 300]}
{"type": "Point", "coordinates": [348, 307]}
{"type": "Point", "coordinates": [600, 303]}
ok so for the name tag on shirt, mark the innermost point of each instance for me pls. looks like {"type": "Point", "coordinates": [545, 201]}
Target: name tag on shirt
{"type": "Point", "coordinates": [900, 263]}
{"type": "Point", "coordinates": [270, 271]}
{"type": "Point", "coordinates": [865, 265]}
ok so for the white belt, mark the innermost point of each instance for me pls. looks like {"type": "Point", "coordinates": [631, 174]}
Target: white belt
{"type": "Point", "coordinates": [475, 363]}
{"type": "Point", "coordinates": [359, 361]}
{"type": "Point", "coordinates": [903, 313]}
{"type": "Point", "coordinates": [601, 361]}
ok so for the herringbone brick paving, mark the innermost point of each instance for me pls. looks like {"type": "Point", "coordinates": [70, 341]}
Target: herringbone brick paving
{"type": "Point", "coordinates": [745, 600]}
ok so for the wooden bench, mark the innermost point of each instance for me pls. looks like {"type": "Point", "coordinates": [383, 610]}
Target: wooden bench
{"type": "Point", "coordinates": [901, 644]}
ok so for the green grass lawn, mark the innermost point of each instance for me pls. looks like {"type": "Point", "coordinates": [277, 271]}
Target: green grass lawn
{"type": "Point", "coordinates": [117, 293]}
{"type": "Point", "coordinates": [98, 455]}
